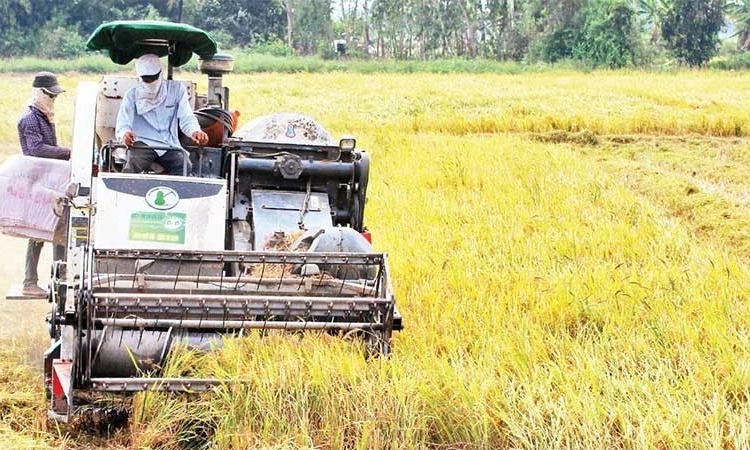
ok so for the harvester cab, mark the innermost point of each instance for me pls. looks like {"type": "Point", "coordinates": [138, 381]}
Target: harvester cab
{"type": "Point", "coordinates": [264, 232]}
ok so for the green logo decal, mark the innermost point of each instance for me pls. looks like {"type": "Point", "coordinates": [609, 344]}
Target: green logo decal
{"type": "Point", "coordinates": [159, 200]}
{"type": "Point", "coordinates": [157, 227]}
{"type": "Point", "coordinates": [162, 197]}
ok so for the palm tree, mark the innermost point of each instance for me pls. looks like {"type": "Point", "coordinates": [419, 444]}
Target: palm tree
{"type": "Point", "coordinates": [739, 12]}
{"type": "Point", "coordinates": [652, 13]}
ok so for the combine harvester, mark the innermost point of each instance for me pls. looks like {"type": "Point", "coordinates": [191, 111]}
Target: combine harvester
{"type": "Point", "coordinates": [265, 233]}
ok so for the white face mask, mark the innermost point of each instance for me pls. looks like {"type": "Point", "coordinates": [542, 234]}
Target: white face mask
{"type": "Point", "coordinates": [150, 89]}
{"type": "Point", "coordinates": [43, 102]}
{"type": "Point", "coordinates": [149, 95]}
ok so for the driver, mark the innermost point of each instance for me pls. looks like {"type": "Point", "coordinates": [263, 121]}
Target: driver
{"type": "Point", "coordinates": [150, 115]}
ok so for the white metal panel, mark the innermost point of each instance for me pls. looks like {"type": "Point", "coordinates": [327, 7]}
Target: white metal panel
{"type": "Point", "coordinates": [159, 212]}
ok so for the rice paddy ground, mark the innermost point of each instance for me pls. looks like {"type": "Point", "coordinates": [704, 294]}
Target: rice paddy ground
{"type": "Point", "coordinates": [569, 252]}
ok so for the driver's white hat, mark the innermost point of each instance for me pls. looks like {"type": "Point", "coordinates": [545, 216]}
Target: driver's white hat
{"type": "Point", "coordinates": [147, 65]}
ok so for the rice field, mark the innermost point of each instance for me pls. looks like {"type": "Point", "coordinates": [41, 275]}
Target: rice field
{"type": "Point", "coordinates": [569, 253]}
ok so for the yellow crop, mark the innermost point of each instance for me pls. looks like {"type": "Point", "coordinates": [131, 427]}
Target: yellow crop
{"type": "Point", "coordinates": [569, 253]}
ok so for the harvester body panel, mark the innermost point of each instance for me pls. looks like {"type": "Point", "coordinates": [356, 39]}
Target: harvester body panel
{"type": "Point", "coordinates": [283, 211]}
{"type": "Point", "coordinates": [159, 211]}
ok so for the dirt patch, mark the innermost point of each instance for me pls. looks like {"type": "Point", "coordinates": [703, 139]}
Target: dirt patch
{"type": "Point", "coordinates": [24, 328]}
{"type": "Point", "coordinates": [584, 137]}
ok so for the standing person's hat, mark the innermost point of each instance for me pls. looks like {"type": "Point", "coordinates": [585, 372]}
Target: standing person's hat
{"type": "Point", "coordinates": [48, 82]}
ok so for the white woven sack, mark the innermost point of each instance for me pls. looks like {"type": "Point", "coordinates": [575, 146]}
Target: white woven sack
{"type": "Point", "coordinates": [29, 187]}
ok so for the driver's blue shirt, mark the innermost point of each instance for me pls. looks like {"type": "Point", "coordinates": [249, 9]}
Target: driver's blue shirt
{"type": "Point", "coordinates": [159, 126]}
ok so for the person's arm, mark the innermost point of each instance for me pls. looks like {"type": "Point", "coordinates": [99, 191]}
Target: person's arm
{"type": "Point", "coordinates": [187, 121]}
{"type": "Point", "coordinates": [124, 125]}
{"type": "Point", "coordinates": [31, 134]}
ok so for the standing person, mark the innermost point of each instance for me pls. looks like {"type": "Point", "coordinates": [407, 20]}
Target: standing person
{"type": "Point", "coordinates": [36, 132]}
{"type": "Point", "coordinates": [151, 114]}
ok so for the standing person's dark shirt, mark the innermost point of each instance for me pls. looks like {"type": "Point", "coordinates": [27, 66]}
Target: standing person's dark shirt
{"type": "Point", "coordinates": [38, 137]}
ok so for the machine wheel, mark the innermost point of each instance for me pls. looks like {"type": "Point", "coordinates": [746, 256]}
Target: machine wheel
{"type": "Point", "coordinates": [362, 175]}
{"type": "Point", "coordinates": [356, 218]}
{"type": "Point", "coordinates": [54, 324]}
{"type": "Point", "coordinates": [101, 417]}
{"type": "Point", "coordinates": [374, 342]}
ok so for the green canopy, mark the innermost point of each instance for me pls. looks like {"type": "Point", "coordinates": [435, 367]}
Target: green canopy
{"type": "Point", "coordinates": [129, 39]}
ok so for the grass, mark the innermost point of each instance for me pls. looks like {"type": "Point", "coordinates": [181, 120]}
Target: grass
{"type": "Point", "coordinates": [569, 253]}
{"type": "Point", "coordinates": [246, 62]}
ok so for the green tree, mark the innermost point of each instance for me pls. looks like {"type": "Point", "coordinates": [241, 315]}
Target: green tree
{"type": "Point", "coordinates": [11, 39]}
{"type": "Point", "coordinates": [244, 22]}
{"type": "Point", "coordinates": [21, 27]}
{"type": "Point", "coordinates": [87, 15]}
{"type": "Point", "coordinates": [610, 36]}
{"type": "Point", "coordinates": [504, 30]}
{"type": "Point", "coordinates": [651, 13]}
{"type": "Point", "coordinates": [559, 26]}
{"type": "Point", "coordinates": [353, 24]}
{"type": "Point", "coordinates": [691, 30]}
{"type": "Point", "coordinates": [388, 19]}
{"type": "Point", "coordinates": [313, 25]}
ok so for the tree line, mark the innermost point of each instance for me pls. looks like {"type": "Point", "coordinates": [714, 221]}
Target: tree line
{"type": "Point", "coordinates": [596, 33]}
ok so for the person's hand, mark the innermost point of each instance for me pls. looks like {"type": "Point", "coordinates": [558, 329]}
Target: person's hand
{"type": "Point", "coordinates": [200, 138]}
{"type": "Point", "coordinates": [128, 138]}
